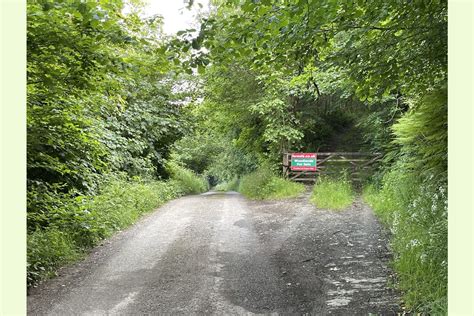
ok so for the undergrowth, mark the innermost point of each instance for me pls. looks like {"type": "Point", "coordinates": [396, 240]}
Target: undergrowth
{"type": "Point", "coordinates": [412, 202]}
{"type": "Point", "coordinates": [416, 212]}
{"type": "Point", "coordinates": [335, 194]}
{"type": "Point", "coordinates": [77, 223]}
{"type": "Point", "coordinates": [263, 184]}
{"type": "Point", "coordinates": [232, 185]}
{"type": "Point", "coordinates": [188, 180]}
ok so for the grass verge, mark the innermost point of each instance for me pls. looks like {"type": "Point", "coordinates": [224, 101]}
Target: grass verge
{"type": "Point", "coordinates": [187, 180]}
{"type": "Point", "coordinates": [232, 185]}
{"type": "Point", "coordinates": [70, 225]}
{"type": "Point", "coordinates": [416, 213]}
{"type": "Point", "coordinates": [335, 194]}
{"type": "Point", "coordinates": [263, 184]}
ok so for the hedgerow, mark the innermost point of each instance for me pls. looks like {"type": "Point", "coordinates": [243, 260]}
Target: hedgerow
{"type": "Point", "coordinates": [77, 223]}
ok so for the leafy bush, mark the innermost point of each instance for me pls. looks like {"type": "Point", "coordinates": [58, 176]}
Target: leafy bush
{"type": "Point", "coordinates": [232, 185]}
{"type": "Point", "coordinates": [47, 250]}
{"type": "Point", "coordinates": [121, 204]}
{"type": "Point", "coordinates": [187, 180]}
{"type": "Point", "coordinates": [47, 203]}
{"type": "Point", "coordinates": [214, 155]}
{"type": "Point", "coordinates": [263, 184]}
{"type": "Point", "coordinates": [332, 193]}
{"type": "Point", "coordinates": [139, 138]}
{"type": "Point", "coordinates": [412, 201]}
{"type": "Point", "coordinates": [423, 134]}
{"type": "Point", "coordinates": [254, 185]}
{"type": "Point", "coordinates": [81, 222]}
{"type": "Point", "coordinates": [416, 212]}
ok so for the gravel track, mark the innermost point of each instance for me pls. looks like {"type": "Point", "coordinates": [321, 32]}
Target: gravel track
{"type": "Point", "coordinates": [218, 253]}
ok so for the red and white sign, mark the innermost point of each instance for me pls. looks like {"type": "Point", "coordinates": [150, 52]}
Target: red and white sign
{"type": "Point", "coordinates": [303, 155]}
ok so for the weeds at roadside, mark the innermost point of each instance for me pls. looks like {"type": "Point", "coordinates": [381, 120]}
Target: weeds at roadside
{"type": "Point", "coordinates": [187, 180]}
{"type": "Point", "coordinates": [232, 185]}
{"type": "Point", "coordinates": [335, 194]}
{"type": "Point", "coordinates": [416, 212]}
{"type": "Point", "coordinates": [77, 223]}
{"type": "Point", "coordinates": [263, 184]}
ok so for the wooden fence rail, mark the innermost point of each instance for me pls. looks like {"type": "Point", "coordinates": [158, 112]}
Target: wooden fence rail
{"type": "Point", "coordinates": [358, 164]}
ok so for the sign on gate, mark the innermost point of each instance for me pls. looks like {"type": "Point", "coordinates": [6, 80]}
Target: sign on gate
{"type": "Point", "coordinates": [303, 161]}
{"type": "Point", "coordinates": [305, 166]}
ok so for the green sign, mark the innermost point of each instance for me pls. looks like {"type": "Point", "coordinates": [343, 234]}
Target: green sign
{"type": "Point", "coordinates": [303, 161]}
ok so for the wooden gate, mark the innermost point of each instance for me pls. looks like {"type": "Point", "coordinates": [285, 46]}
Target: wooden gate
{"type": "Point", "coordinates": [358, 164]}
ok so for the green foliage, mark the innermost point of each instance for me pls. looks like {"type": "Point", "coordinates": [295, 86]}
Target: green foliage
{"type": "Point", "coordinates": [104, 98]}
{"type": "Point", "coordinates": [68, 61]}
{"type": "Point", "coordinates": [231, 162]}
{"type": "Point", "coordinates": [232, 185]}
{"type": "Point", "coordinates": [140, 138]}
{"type": "Point", "coordinates": [121, 204]}
{"type": "Point", "coordinates": [97, 98]}
{"type": "Point", "coordinates": [412, 201]}
{"type": "Point", "coordinates": [376, 126]}
{"type": "Point", "coordinates": [253, 185]}
{"type": "Point", "coordinates": [263, 184]}
{"type": "Point", "coordinates": [197, 151]}
{"type": "Point", "coordinates": [187, 180]}
{"type": "Point", "coordinates": [213, 155]}
{"type": "Point", "coordinates": [416, 212]}
{"type": "Point", "coordinates": [225, 141]}
{"type": "Point", "coordinates": [422, 134]}
{"type": "Point", "coordinates": [48, 250]}
{"type": "Point", "coordinates": [398, 189]}
{"type": "Point", "coordinates": [76, 224]}
{"type": "Point", "coordinates": [98, 103]}
{"type": "Point", "coordinates": [63, 145]}
{"type": "Point", "coordinates": [372, 48]}
{"type": "Point", "coordinates": [279, 188]}
{"type": "Point", "coordinates": [231, 93]}
{"type": "Point", "coordinates": [103, 111]}
{"type": "Point", "coordinates": [280, 125]}
{"type": "Point", "coordinates": [335, 194]}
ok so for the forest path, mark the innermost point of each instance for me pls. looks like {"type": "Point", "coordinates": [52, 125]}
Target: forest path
{"type": "Point", "coordinates": [218, 253]}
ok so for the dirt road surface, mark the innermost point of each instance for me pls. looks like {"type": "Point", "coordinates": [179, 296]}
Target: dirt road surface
{"type": "Point", "coordinates": [220, 254]}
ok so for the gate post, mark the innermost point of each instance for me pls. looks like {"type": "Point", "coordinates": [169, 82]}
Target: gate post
{"type": "Point", "coordinates": [285, 165]}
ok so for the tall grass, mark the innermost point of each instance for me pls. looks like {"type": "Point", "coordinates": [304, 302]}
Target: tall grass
{"type": "Point", "coordinates": [232, 185]}
{"type": "Point", "coordinates": [187, 180]}
{"type": "Point", "coordinates": [48, 250]}
{"type": "Point", "coordinates": [416, 212]}
{"type": "Point", "coordinates": [335, 194]}
{"type": "Point", "coordinates": [77, 223]}
{"type": "Point", "coordinates": [279, 188]}
{"type": "Point", "coordinates": [263, 184]}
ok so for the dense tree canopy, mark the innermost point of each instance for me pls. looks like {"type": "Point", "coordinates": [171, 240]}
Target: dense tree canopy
{"type": "Point", "coordinates": [99, 93]}
{"type": "Point", "coordinates": [304, 75]}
